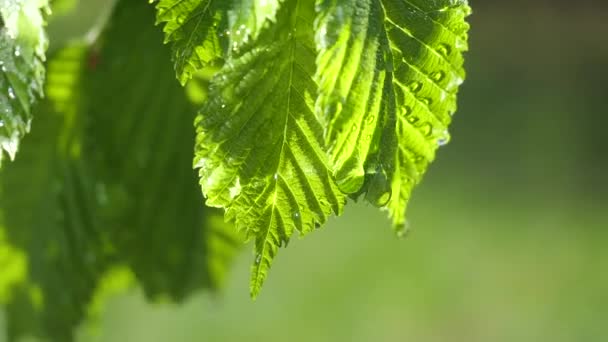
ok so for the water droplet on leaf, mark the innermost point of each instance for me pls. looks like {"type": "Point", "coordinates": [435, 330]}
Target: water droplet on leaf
{"type": "Point", "coordinates": [350, 182]}
{"type": "Point", "coordinates": [444, 49]}
{"type": "Point", "coordinates": [414, 87]}
{"type": "Point", "coordinates": [438, 76]}
{"type": "Point", "coordinates": [402, 230]}
{"type": "Point", "coordinates": [370, 119]}
{"type": "Point", "coordinates": [379, 191]}
{"type": "Point", "coordinates": [426, 129]}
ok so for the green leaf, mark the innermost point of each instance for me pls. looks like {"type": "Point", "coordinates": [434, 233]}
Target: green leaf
{"type": "Point", "coordinates": [388, 75]}
{"type": "Point", "coordinates": [259, 145]}
{"type": "Point", "coordinates": [22, 53]}
{"type": "Point", "coordinates": [194, 28]}
{"type": "Point", "coordinates": [48, 216]}
{"type": "Point", "coordinates": [104, 192]}
{"type": "Point", "coordinates": [141, 142]}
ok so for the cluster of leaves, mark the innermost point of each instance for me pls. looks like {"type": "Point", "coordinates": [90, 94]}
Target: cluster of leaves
{"type": "Point", "coordinates": [316, 102]}
{"type": "Point", "coordinates": [302, 105]}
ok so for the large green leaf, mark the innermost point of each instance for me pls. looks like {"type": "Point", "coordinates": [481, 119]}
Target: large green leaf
{"type": "Point", "coordinates": [104, 192]}
{"type": "Point", "coordinates": [259, 145]}
{"type": "Point", "coordinates": [48, 214]}
{"type": "Point", "coordinates": [141, 140]}
{"type": "Point", "coordinates": [22, 53]}
{"type": "Point", "coordinates": [388, 74]}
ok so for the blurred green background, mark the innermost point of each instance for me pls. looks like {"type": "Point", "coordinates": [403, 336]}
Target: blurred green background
{"type": "Point", "coordinates": [509, 228]}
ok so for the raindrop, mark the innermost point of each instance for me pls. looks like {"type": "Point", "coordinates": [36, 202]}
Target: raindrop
{"type": "Point", "coordinates": [11, 93]}
{"type": "Point", "coordinates": [444, 49]}
{"type": "Point", "coordinates": [1, 123]}
{"type": "Point", "coordinates": [258, 259]}
{"type": "Point", "coordinates": [402, 229]}
{"type": "Point", "coordinates": [276, 176]}
{"type": "Point", "coordinates": [414, 87]}
{"type": "Point", "coordinates": [412, 119]}
{"type": "Point", "coordinates": [438, 76]}
{"type": "Point", "coordinates": [350, 180]}
{"type": "Point", "coordinates": [426, 129]}
{"type": "Point", "coordinates": [370, 119]}
{"type": "Point", "coordinates": [379, 191]}
{"type": "Point", "coordinates": [296, 215]}
{"type": "Point", "coordinates": [443, 139]}
{"type": "Point", "coordinates": [17, 51]}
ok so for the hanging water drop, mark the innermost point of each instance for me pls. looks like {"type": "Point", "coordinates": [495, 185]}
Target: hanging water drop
{"type": "Point", "coordinates": [379, 192]}
{"type": "Point", "coordinates": [402, 230]}
{"type": "Point", "coordinates": [443, 139]}
{"type": "Point", "coordinates": [350, 180]}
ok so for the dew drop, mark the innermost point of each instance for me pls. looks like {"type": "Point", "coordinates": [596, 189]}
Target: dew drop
{"type": "Point", "coordinates": [276, 176]}
{"type": "Point", "coordinates": [443, 139]}
{"type": "Point", "coordinates": [1, 123]}
{"type": "Point", "coordinates": [438, 76]}
{"type": "Point", "coordinates": [354, 129]}
{"type": "Point", "coordinates": [379, 192]}
{"type": "Point", "coordinates": [402, 230]}
{"type": "Point", "coordinates": [370, 119]}
{"type": "Point", "coordinates": [258, 259]}
{"type": "Point", "coordinates": [17, 51]}
{"type": "Point", "coordinates": [414, 87]}
{"type": "Point", "coordinates": [412, 119]}
{"type": "Point", "coordinates": [296, 215]}
{"type": "Point", "coordinates": [444, 49]}
{"type": "Point", "coordinates": [350, 182]}
{"type": "Point", "coordinates": [11, 93]}
{"type": "Point", "coordinates": [426, 129]}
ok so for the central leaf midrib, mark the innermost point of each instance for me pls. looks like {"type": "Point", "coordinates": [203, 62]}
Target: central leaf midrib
{"type": "Point", "coordinates": [292, 60]}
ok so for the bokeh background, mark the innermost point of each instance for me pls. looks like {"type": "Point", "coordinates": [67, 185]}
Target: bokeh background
{"type": "Point", "coordinates": [509, 237]}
